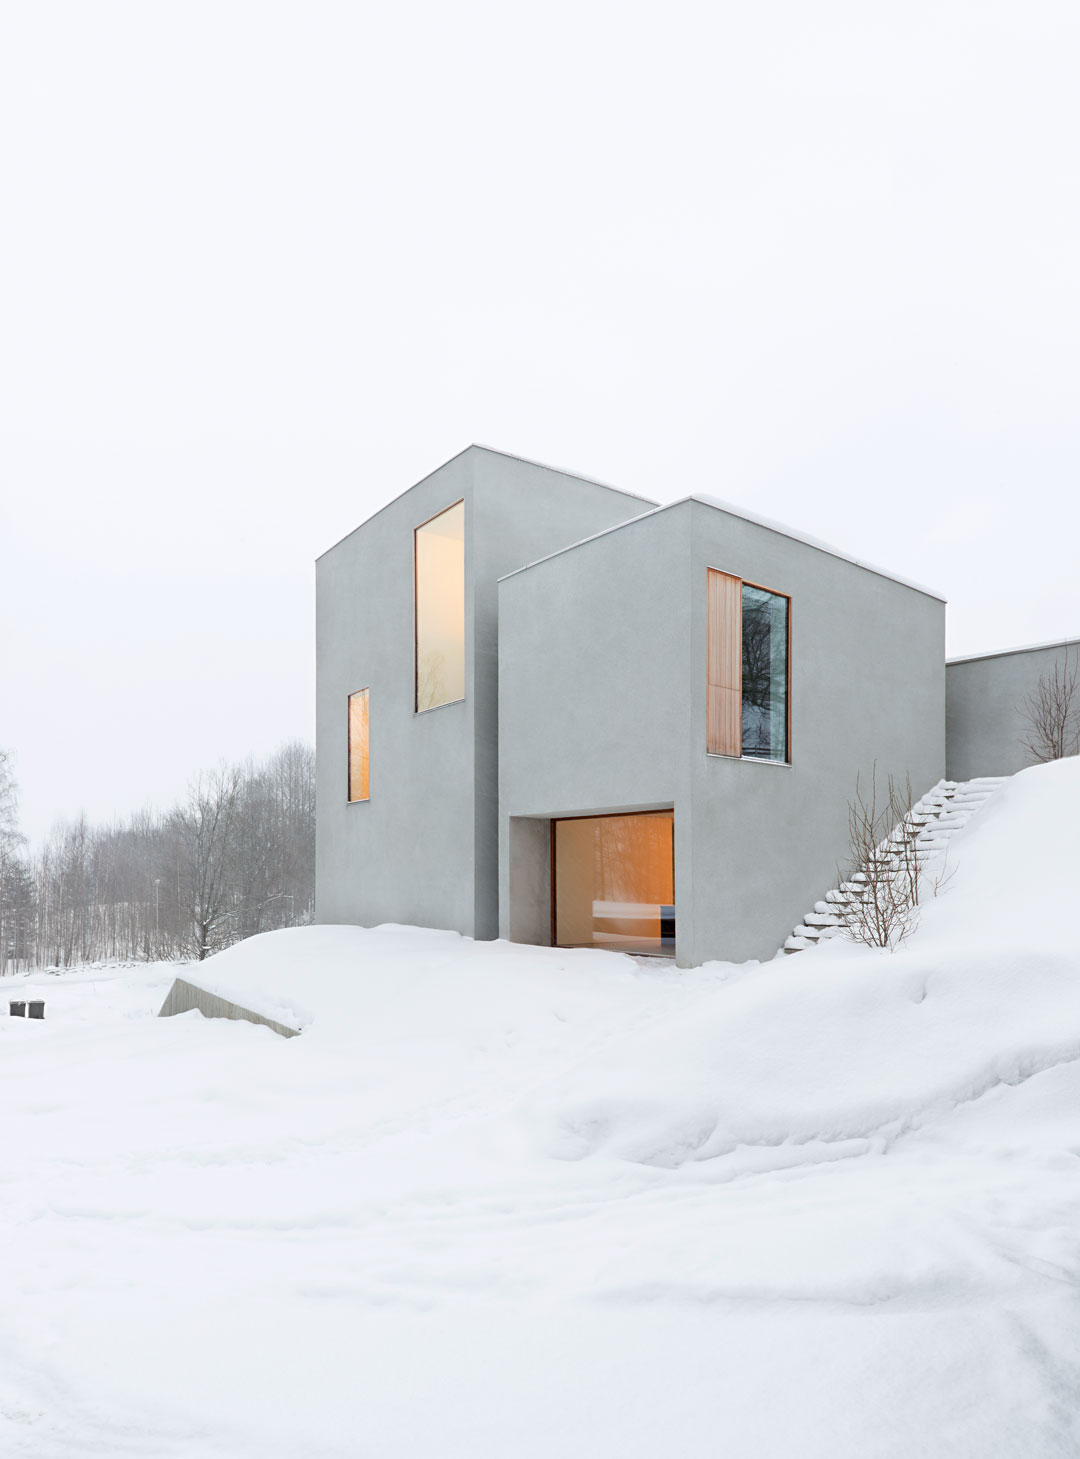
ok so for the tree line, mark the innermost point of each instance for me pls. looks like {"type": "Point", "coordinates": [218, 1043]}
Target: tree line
{"type": "Point", "coordinates": [235, 857]}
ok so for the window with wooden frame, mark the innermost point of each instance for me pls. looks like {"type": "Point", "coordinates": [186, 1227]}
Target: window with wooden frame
{"type": "Point", "coordinates": [359, 745]}
{"type": "Point", "coordinates": [749, 647]}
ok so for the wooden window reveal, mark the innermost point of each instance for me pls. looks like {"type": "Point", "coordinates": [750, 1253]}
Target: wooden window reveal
{"type": "Point", "coordinates": [724, 714]}
{"type": "Point", "coordinates": [359, 732]}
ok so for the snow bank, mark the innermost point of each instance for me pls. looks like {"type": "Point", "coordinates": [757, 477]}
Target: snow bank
{"type": "Point", "coordinates": [839, 1045]}
{"type": "Point", "coordinates": [503, 1200]}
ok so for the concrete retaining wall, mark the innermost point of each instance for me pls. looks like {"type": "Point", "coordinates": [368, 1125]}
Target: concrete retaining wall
{"type": "Point", "coordinates": [986, 722]}
{"type": "Point", "coordinates": [184, 996]}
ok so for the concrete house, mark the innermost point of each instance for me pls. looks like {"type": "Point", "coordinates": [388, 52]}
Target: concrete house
{"type": "Point", "coordinates": [407, 701]}
{"type": "Point", "coordinates": [556, 712]}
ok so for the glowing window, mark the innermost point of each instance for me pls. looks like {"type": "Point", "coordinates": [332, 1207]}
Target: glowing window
{"type": "Point", "coordinates": [440, 609]}
{"type": "Point", "coordinates": [615, 882]}
{"type": "Point", "coordinates": [359, 730]}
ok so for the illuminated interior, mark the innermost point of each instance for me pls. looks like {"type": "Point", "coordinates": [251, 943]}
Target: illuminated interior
{"type": "Point", "coordinates": [440, 609]}
{"type": "Point", "coordinates": [615, 882]}
{"type": "Point", "coordinates": [358, 745]}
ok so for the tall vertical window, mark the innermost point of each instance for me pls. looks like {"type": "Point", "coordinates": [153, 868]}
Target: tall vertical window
{"type": "Point", "coordinates": [748, 648]}
{"type": "Point", "coordinates": [614, 882]}
{"type": "Point", "coordinates": [359, 752]}
{"type": "Point", "coordinates": [440, 609]}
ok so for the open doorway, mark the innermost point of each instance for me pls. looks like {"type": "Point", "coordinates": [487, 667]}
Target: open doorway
{"type": "Point", "coordinates": [613, 882]}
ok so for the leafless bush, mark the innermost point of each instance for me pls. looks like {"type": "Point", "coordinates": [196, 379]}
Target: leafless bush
{"type": "Point", "coordinates": [1051, 713]}
{"type": "Point", "coordinates": [14, 877]}
{"type": "Point", "coordinates": [886, 875]}
{"type": "Point", "coordinates": [237, 858]}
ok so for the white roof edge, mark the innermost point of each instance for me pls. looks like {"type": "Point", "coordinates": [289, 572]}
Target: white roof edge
{"type": "Point", "coordinates": [562, 471]}
{"type": "Point", "coordinates": [1024, 648]}
{"type": "Point", "coordinates": [759, 521]}
{"type": "Point", "coordinates": [816, 542]}
{"type": "Point", "coordinates": [604, 532]}
{"type": "Point", "coordinates": [379, 510]}
{"type": "Point", "coordinates": [492, 451]}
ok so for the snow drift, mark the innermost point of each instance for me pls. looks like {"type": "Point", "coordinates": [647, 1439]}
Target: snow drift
{"type": "Point", "coordinates": [499, 1199]}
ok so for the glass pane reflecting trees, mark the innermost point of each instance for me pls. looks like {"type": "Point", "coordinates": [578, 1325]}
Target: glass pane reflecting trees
{"type": "Point", "coordinates": [615, 882]}
{"type": "Point", "coordinates": [748, 632]}
{"type": "Point", "coordinates": [440, 609]}
{"type": "Point", "coordinates": [764, 674]}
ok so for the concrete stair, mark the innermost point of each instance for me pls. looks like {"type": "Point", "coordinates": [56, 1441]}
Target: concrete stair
{"type": "Point", "coordinates": [931, 824]}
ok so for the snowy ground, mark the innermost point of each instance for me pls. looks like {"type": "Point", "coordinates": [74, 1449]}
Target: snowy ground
{"type": "Point", "coordinates": [506, 1203]}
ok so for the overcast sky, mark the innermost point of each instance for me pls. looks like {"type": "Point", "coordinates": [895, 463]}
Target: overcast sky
{"type": "Point", "coordinates": [265, 265]}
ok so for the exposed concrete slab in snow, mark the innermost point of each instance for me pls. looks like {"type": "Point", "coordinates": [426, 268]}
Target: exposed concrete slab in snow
{"type": "Point", "coordinates": [184, 996]}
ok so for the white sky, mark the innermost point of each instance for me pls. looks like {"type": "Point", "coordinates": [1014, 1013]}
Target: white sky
{"type": "Point", "coordinates": [262, 266]}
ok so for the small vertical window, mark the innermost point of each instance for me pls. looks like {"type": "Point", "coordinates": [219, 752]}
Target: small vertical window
{"type": "Point", "coordinates": [440, 608]}
{"type": "Point", "coordinates": [358, 745]}
{"type": "Point", "coordinates": [748, 644]}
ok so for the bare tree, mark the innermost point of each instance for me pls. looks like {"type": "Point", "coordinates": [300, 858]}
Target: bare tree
{"type": "Point", "coordinates": [1051, 713]}
{"type": "Point", "coordinates": [886, 877]}
{"type": "Point", "coordinates": [9, 797]}
{"type": "Point", "coordinates": [15, 898]}
{"type": "Point", "coordinates": [208, 825]}
{"type": "Point", "coordinates": [238, 857]}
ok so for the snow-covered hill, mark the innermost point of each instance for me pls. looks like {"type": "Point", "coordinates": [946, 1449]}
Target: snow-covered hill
{"type": "Point", "coordinates": [501, 1201]}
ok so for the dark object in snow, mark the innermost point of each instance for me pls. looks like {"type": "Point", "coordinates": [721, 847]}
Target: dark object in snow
{"type": "Point", "coordinates": [18, 1010]}
{"type": "Point", "coordinates": [36, 1009]}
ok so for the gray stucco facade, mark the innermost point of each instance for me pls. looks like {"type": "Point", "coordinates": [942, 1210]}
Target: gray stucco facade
{"type": "Point", "coordinates": [586, 672]}
{"type": "Point", "coordinates": [424, 848]}
{"type": "Point", "coordinates": [602, 678]}
{"type": "Point", "coordinates": [985, 707]}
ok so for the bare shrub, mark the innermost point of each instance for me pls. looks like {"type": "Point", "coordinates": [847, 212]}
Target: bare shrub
{"type": "Point", "coordinates": [1051, 713]}
{"type": "Point", "coordinates": [886, 875]}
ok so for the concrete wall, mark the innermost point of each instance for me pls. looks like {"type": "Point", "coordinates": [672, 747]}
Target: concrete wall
{"type": "Point", "coordinates": [594, 699]}
{"type": "Point", "coordinates": [183, 996]}
{"type": "Point", "coordinates": [602, 708]}
{"type": "Point", "coordinates": [424, 848]}
{"type": "Point", "coordinates": [525, 511]}
{"type": "Point", "coordinates": [985, 719]}
{"type": "Point", "coordinates": [406, 854]}
{"type": "Point", "coordinates": [867, 683]}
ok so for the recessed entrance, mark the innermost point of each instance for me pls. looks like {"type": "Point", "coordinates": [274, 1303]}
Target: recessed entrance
{"type": "Point", "coordinates": [613, 882]}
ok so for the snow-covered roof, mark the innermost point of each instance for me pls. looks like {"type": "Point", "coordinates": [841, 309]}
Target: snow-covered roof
{"type": "Point", "coordinates": [810, 541]}
{"type": "Point", "coordinates": [747, 516]}
{"type": "Point", "coordinates": [1024, 648]}
{"type": "Point", "coordinates": [653, 508]}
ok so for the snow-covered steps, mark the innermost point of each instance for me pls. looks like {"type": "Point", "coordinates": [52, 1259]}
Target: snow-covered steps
{"type": "Point", "coordinates": [931, 824]}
